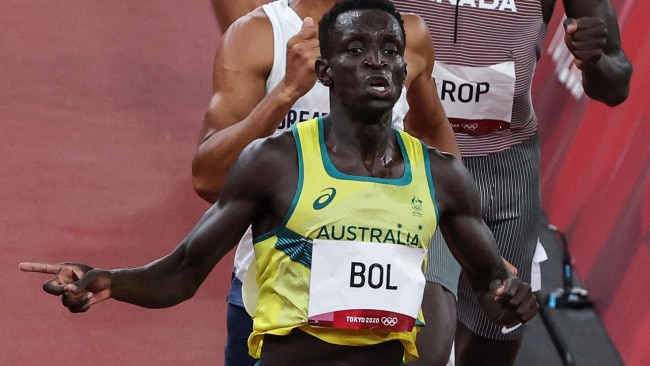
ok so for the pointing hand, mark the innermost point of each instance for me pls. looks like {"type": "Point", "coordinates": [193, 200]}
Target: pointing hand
{"type": "Point", "coordinates": [79, 285]}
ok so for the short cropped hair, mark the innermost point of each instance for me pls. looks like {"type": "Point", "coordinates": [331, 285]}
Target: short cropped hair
{"type": "Point", "coordinates": [328, 22]}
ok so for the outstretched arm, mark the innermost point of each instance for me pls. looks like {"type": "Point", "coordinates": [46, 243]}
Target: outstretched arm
{"type": "Point", "coordinates": [593, 37]}
{"type": "Point", "coordinates": [426, 118]}
{"type": "Point", "coordinates": [162, 283]}
{"type": "Point", "coordinates": [177, 276]}
{"type": "Point", "coordinates": [504, 297]}
{"type": "Point", "coordinates": [240, 110]}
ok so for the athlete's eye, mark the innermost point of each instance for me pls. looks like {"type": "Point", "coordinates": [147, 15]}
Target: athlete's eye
{"type": "Point", "coordinates": [390, 49]}
{"type": "Point", "coordinates": [355, 47]}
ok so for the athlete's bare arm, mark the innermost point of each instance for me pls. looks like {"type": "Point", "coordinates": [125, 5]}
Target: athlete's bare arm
{"type": "Point", "coordinates": [426, 118]}
{"type": "Point", "coordinates": [593, 37]}
{"type": "Point", "coordinates": [473, 245]}
{"type": "Point", "coordinates": [240, 110]}
{"type": "Point", "coordinates": [164, 282]}
{"type": "Point", "coordinates": [177, 276]}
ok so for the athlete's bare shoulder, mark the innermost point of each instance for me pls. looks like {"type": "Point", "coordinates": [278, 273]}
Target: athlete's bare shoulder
{"type": "Point", "coordinates": [454, 185]}
{"type": "Point", "coordinates": [252, 26]}
{"type": "Point", "coordinates": [444, 159]}
{"type": "Point", "coordinates": [268, 170]}
{"type": "Point", "coordinates": [416, 30]}
{"type": "Point", "coordinates": [414, 23]}
{"type": "Point", "coordinates": [270, 153]}
{"type": "Point", "coordinates": [248, 41]}
{"type": "Point", "coordinates": [278, 142]}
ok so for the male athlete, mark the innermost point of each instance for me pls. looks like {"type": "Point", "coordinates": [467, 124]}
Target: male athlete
{"type": "Point", "coordinates": [485, 62]}
{"type": "Point", "coordinates": [263, 83]}
{"type": "Point", "coordinates": [352, 192]}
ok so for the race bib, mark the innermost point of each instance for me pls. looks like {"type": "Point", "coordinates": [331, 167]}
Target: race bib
{"type": "Point", "coordinates": [477, 100]}
{"type": "Point", "coordinates": [358, 285]}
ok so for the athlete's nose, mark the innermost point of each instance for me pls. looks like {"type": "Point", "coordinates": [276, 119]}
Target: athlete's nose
{"type": "Point", "coordinates": [374, 59]}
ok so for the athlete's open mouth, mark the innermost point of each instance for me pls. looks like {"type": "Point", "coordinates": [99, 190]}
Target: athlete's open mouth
{"type": "Point", "coordinates": [379, 84]}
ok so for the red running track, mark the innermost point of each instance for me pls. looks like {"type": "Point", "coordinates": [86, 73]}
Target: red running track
{"type": "Point", "coordinates": [100, 107]}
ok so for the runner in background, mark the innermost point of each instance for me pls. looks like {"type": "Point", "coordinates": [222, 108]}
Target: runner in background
{"type": "Point", "coordinates": [485, 59]}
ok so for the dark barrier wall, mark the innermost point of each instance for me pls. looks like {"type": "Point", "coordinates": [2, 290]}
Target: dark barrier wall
{"type": "Point", "coordinates": [596, 179]}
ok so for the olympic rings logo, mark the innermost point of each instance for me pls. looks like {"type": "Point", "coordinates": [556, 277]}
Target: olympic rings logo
{"type": "Point", "coordinates": [469, 126]}
{"type": "Point", "coordinates": [389, 321]}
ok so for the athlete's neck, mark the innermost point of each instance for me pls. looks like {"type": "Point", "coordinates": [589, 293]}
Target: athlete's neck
{"type": "Point", "coordinates": [363, 149]}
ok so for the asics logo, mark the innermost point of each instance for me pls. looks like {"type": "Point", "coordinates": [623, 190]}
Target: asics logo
{"type": "Point", "coordinates": [324, 199]}
{"type": "Point", "coordinates": [389, 321]}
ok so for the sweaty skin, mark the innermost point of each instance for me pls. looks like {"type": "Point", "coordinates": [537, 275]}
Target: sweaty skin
{"type": "Point", "coordinates": [368, 58]}
{"type": "Point", "coordinates": [241, 111]}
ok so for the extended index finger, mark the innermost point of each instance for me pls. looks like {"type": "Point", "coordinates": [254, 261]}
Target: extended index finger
{"type": "Point", "coordinates": [51, 268]}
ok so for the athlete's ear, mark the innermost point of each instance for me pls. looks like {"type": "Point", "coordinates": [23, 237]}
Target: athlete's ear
{"type": "Point", "coordinates": [323, 72]}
